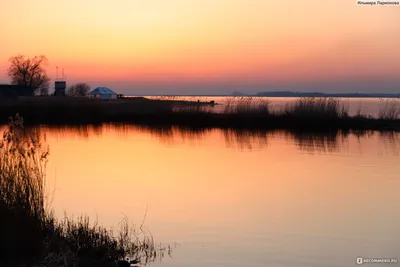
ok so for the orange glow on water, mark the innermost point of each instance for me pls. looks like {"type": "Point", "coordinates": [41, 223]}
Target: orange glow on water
{"type": "Point", "coordinates": [315, 196]}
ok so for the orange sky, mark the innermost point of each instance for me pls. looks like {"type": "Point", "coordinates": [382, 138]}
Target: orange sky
{"type": "Point", "coordinates": [208, 46]}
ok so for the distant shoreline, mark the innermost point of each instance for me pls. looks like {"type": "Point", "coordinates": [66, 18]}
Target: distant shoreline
{"type": "Point", "coordinates": [318, 94]}
{"type": "Point", "coordinates": [281, 94]}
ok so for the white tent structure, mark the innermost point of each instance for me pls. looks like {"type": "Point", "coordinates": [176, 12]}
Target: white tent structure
{"type": "Point", "coordinates": [102, 93]}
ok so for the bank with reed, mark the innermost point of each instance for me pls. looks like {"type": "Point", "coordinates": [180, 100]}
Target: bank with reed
{"type": "Point", "coordinates": [305, 113]}
{"type": "Point", "coordinates": [30, 233]}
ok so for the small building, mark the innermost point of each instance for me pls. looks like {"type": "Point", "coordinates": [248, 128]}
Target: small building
{"type": "Point", "coordinates": [8, 91]}
{"type": "Point", "coordinates": [103, 93]}
{"type": "Point", "coordinates": [59, 87]}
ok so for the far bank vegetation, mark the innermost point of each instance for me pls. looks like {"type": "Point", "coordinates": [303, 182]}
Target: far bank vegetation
{"type": "Point", "coordinates": [78, 89]}
{"type": "Point", "coordinates": [243, 112]}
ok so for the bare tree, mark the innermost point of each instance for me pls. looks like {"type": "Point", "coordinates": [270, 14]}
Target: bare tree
{"type": "Point", "coordinates": [79, 89]}
{"type": "Point", "coordinates": [29, 72]}
{"type": "Point", "coordinates": [44, 90]}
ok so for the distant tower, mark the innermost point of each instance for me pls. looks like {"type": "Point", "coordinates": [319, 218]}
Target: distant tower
{"type": "Point", "coordinates": [60, 84]}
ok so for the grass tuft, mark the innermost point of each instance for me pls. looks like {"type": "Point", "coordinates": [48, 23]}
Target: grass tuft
{"type": "Point", "coordinates": [312, 107]}
{"type": "Point", "coordinates": [389, 111]}
{"type": "Point", "coordinates": [247, 105]}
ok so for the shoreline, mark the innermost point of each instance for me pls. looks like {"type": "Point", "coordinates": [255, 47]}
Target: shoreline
{"type": "Point", "coordinates": [229, 121]}
{"type": "Point", "coordinates": [305, 114]}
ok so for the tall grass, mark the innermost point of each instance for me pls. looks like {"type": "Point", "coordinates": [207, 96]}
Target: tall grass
{"type": "Point", "coordinates": [312, 107]}
{"type": "Point", "coordinates": [22, 202]}
{"type": "Point", "coordinates": [247, 105]}
{"type": "Point", "coordinates": [193, 108]}
{"type": "Point", "coordinates": [31, 234]}
{"type": "Point", "coordinates": [389, 111]}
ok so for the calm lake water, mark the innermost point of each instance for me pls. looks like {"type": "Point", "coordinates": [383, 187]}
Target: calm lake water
{"type": "Point", "coordinates": [354, 106]}
{"type": "Point", "coordinates": [228, 198]}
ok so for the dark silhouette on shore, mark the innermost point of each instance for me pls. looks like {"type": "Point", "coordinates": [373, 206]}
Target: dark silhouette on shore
{"type": "Point", "coordinates": [13, 92]}
{"type": "Point", "coordinates": [29, 72]}
{"type": "Point", "coordinates": [305, 113]}
{"type": "Point", "coordinates": [79, 89]}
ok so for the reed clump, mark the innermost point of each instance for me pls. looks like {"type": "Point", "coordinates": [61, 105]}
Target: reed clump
{"type": "Point", "coordinates": [311, 107]}
{"type": "Point", "coordinates": [193, 108]}
{"type": "Point", "coordinates": [30, 233]}
{"type": "Point", "coordinates": [247, 105]}
{"type": "Point", "coordinates": [389, 111]}
{"type": "Point", "coordinates": [22, 203]}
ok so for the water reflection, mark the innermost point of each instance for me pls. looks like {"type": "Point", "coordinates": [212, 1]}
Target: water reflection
{"type": "Point", "coordinates": [312, 142]}
{"type": "Point", "coordinates": [309, 142]}
{"type": "Point", "coordinates": [72, 131]}
{"type": "Point", "coordinates": [234, 197]}
{"type": "Point", "coordinates": [244, 139]}
{"type": "Point", "coordinates": [390, 142]}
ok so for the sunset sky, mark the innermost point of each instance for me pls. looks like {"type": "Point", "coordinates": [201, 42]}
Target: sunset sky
{"type": "Point", "coordinates": [208, 46]}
